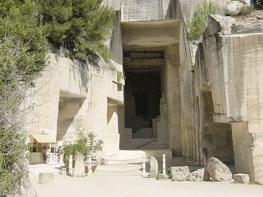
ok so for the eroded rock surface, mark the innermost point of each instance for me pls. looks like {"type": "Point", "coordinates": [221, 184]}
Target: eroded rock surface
{"type": "Point", "coordinates": [218, 171]}
{"type": "Point", "coordinates": [180, 173]}
{"type": "Point", "coordinates": [197, 175]}
{"type": "Point", "coordinates": [153, 167]}
{"type": "Point", "coordinates": [234, 8]}
{"type": "Point", "coordinates": [241, 178]}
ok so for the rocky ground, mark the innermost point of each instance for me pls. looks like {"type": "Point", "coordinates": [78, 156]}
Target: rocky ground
{"type": "Point", "coordinates": [126, 181]}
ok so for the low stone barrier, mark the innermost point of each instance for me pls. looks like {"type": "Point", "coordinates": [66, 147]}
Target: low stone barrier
{"type": "Point", "coordinates": [46, 177]}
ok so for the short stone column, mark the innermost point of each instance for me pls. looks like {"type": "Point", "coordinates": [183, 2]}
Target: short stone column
{"type": "Point", "coordinates": [164, 165]}
{"type": "Point", "coordinates": [153, 167]}
{"type": "Point", "coordinates": [79, 169]}
{"type": "Point", "coordinates": [70, 165]}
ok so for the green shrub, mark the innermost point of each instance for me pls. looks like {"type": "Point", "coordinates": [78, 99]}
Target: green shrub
{"type": "Point", "coordinates": [12, 148]}
{"type": "Point", "coordinates": [79, 26]}
{"type": "Point", "coordinates": [87, 146]}
{"type": "Point", "coordinates": [198, 22]}
{"type": "Point", "coordinates": [5, 182]}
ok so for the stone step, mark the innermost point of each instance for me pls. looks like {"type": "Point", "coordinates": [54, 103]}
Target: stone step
{"type": "Point", "coordinates": [136, 156]}
{"type": "Point", "coordinates": [153, 146]}
{"type": "Point", "coordinates": [158, 153]}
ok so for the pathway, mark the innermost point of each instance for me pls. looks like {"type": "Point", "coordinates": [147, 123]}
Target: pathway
{"type": "Point", "coordinates": [125, 181]}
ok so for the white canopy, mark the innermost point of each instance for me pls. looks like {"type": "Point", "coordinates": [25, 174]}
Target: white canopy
{"type": "Point", "coordinates": [42, 138]}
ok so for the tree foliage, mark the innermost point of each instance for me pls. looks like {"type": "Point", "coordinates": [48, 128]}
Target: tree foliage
{"type": "Point", "coordinates": [86, 145]}
{"type": "Point", "coordinates": [198, 22]}
{"type": "Point", "coordinates": [259, 4]}
{"type": "Point", "coordinates": [12, 148]}
{"type": "Point", "coordinates": [23, 45]}
{"type": "Point", "coordinates": [80, 26]}
{"type": "Point", "coordinates": [22, 57]}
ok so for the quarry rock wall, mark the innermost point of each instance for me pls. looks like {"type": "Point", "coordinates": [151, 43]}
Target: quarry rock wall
{"type": "Point", "coordinates": [231, 67]}
{"type": "Point", "coordinates": [213, 94]}
{"type": "Point", "coordinates": [82, 97]}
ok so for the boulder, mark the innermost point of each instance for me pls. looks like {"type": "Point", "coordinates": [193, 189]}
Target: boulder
{"type": "Point", "coordinates": [235, 8]}
{"type": "Point", "coordinates": [79, 169]}
{"type": "Point", "coordinates": [241, 178]}
{"type": "Point", "coordinates": [46, 177]}
{"type": "Point", "coordinates": [179, 173]}
{"type": "Point", "coordinates": [217, 170]}
{"type": "Point", "coordinates": [197, 175]}
{"type": "Point", "coordinates": [153, 167]}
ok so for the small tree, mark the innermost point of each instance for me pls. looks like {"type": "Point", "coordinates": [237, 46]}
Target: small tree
{"type": "Point", "coordinates": [80, 26]}
{"type": "Point", "coordinates": [87, 146]}
{"type": "Point", "coordinates": [198, 22]}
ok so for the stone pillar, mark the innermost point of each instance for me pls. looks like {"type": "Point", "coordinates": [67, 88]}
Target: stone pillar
{"type": "Point", "coordinates": [121, 116]}
{"type": "Point", "coordinates": [172, 90]}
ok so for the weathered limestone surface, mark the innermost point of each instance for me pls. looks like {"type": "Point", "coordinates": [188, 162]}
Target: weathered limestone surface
{"type": "Point", "coordinates": [188, 144]}
{"type": "Point", "coordinates": [230, 60]}
{"type": "Point", "coordinates": [235, 8]}
{"type": "Point", "coordinates": [241, 178]}
{"type": "Point", "coordinates": [218, 171]}
{"type": "Point", "coordinates": [175, 124]}
{"type": "Point", "coordinates": [197, 175]}
{"type": "Point", "coordinates": [133, 10]}
{"type": "Point", "coordinates": [64, 104]}
{"type": "Point", "coordinates": [180, 173]}
{"type": "Point", "coordinates": [153, 167]}
{"type": "Point", "coordinates": [116, 4]}
{"type": "Point", "coordinates": [243, 96]}
{"type": "Point", "coordinates": [46, 177]}
{"type": "Point", "coordinates": [79, 169]}
{"type": "Point", "coordinates": [68, 96]}
{"type": "Point", "coordinates": [147, 10]}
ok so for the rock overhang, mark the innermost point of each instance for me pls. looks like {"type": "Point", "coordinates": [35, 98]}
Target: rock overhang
{"type": "Point", "coordinates": [150, 34]}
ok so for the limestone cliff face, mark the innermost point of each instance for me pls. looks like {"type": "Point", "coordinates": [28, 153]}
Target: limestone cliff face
{"type": "Point", "coordinates": [146, 10]}
{"type": "Point", "coordinates": [233, 74]}
{"type": "Point", "coordinates": [70, 96]}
